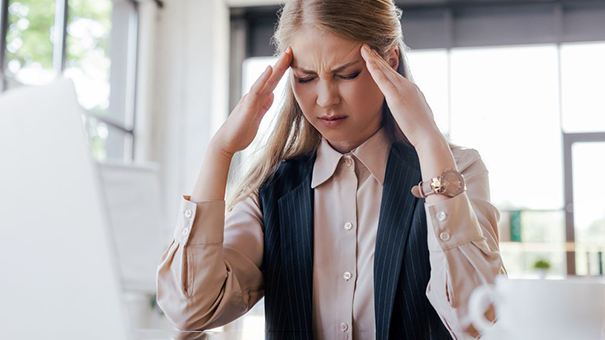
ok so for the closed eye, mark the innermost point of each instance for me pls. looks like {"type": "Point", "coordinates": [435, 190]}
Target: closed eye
{"type": "Point", "coordinates": [306, 80]}
{"type": "Point", "coordinates": [351, 76]}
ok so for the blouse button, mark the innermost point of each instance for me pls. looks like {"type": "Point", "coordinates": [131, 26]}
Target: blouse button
{"type": "Point", "coordinates": [347, 276]}
{"type": "Point", "coordinates": [441, 216]}
{"type": "Point", "coordinates": [344, 326]}
{"type": "Point", "coordinates": [185, 231]}
{"type": "Point", "coordinates": [348, 226]}
{"type": "Point", "coordinates": [188, 213]}
{"type": "Point", "coordinates": [444, 236]}
{"type": "Point", "coordinates": [348, 160]}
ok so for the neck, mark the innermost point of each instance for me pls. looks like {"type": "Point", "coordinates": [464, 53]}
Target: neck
{"type": "Point", "coordinates": [346, 146]}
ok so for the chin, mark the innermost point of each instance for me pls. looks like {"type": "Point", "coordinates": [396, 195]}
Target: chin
{"type": "Point", "coordinates": [336, 136]}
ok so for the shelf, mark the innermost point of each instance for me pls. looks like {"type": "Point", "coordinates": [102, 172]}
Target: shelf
{"type": "Point", "coordinates": [537, 246]}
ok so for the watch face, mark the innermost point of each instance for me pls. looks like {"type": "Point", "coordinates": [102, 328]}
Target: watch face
{"type": "Point", "coordinates": [452, 182]}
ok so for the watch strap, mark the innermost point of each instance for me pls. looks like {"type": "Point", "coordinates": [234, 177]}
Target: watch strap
{"type": "Point", "coordinates": [422, 190]}
{"type": "Point", "coordinates": [434, 186]}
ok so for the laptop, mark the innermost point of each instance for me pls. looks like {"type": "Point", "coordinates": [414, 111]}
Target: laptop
{"type": "Point", "coordinates": [59, 274]}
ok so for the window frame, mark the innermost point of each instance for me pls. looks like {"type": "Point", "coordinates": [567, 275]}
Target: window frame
{"type": "Point", "coordinates": [3, 34]}
{"type": "Point", "coordinates": [570, 232]}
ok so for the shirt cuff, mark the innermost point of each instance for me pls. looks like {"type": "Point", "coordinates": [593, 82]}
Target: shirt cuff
{"type": "Point", "coordinates": [200, 222]}
{"type": "Point", "coordinates": [453, 222]}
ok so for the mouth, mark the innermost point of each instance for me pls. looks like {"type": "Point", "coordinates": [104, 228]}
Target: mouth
{"type": "Point", "coordinates": [331, 118]}
{"type": "Point", "coordinates": [332, 121]}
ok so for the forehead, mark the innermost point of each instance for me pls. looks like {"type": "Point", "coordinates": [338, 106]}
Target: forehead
{"type": "Point", "coordinates": [321, 51]}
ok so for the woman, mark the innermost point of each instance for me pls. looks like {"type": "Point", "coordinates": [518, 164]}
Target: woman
{"type": "Point", "coordinates": [330, 225]}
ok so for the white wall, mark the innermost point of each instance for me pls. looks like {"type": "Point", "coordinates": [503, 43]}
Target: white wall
{"type": "Point", "coordinates": [188, 92]}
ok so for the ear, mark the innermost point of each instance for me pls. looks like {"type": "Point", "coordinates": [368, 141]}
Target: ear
{"type": "Point", "coordinates": [393, 58]}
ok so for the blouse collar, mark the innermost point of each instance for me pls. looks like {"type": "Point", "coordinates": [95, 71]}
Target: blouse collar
{"type": "Point", "coordinates": [373, 153]}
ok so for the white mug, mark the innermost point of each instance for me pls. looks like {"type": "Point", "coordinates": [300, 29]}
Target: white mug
{"type": "Point", "coordinates": [573, 308]}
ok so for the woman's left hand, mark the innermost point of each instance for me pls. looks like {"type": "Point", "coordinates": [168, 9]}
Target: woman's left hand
{"type": "Point", "coordinates": [405, 100]}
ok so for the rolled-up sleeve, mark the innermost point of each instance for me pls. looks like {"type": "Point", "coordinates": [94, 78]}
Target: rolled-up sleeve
{"type": "Point", "coordinates": [463, 246]}
{"type": "Point", "coordinates": [210, 273]}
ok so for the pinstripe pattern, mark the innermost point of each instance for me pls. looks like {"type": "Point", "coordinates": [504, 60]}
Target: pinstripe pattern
{"type": "Point", "coordinates": [288, 253]}
{"type": "Point", "coordinates": [401, 263]}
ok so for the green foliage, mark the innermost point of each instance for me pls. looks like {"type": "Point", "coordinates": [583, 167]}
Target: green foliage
{"type": "Point", "coordinates": [95, 42]}
{"type": "Point", "coordinates": [542, 264]}
{"type": "Point", "coordinates": [29, 25]}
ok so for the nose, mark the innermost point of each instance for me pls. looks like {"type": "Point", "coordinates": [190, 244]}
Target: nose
{"type": "Point", "coordinates": [327, 94]}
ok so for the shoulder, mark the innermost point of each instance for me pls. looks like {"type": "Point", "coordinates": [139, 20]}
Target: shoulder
{"type": "Point", "coordinates": [289, 172]}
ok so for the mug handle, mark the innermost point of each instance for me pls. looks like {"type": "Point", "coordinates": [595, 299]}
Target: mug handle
{"type": "Point", "coordinates": [478, 304]}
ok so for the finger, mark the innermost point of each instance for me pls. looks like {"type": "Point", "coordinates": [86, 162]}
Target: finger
{"type": "Point", "coordinates": [267, 104]}
{"type": "Point", "coordinates": [388, 71]}
{"type": "Point", "coordinates": [260, 82]}
{"type": "Point", "coordinates": [260, 113]}
{"type": "Point", "coordinates": [385, 85]}
{"type": "Point", "coordinates": [280, 68]}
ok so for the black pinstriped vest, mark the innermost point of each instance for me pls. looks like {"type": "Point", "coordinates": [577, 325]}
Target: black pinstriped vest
{"type": "Point", "coordinates": [401, 263]}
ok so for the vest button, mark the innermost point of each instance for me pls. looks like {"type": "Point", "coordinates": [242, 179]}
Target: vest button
{"type": "Point", "coordinates": [344, 326]}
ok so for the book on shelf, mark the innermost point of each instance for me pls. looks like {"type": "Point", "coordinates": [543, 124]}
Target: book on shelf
{"type": "Point", "coordinates": [515, 225]}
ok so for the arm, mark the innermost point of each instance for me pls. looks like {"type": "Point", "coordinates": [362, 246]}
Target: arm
{"type": "Point", "coordinates": [470, 256]}
{"type": "Point", "coordinates": [209, 275]}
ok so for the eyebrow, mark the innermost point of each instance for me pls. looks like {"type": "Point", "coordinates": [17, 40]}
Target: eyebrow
{"type": "Point", "coordinates": [338, 69]}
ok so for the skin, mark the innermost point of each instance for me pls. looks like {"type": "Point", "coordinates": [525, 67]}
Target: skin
{"type": "Point", "coordinates": [360, 99]}
{"type": "Point", "coordinates": [331, 93]}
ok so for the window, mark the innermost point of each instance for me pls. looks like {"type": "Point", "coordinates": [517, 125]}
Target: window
{"type": "Point", "coordinates": [589, 211]}
{"type": "Point", "coordinates": [505, 105]}
{"type": "Point", "coordinates": [87, 55]}
{"type": "Point", "coordinates": [29, 42]}
{"type": "Point", "coordinates": [93, 43]}
{"type": "Point", "coordinates": [515, 104]}
{"type": "Point", "coordinates": [583, 81]}
{"type": "Point", "coordinates": [430, 71]}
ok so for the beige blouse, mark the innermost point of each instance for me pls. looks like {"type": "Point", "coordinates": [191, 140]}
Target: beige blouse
{"type": "Point", "coordinates": [210, 275]}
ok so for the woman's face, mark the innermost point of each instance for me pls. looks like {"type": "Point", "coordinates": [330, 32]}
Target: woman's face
{"type": "Point", "coordinates": [330, 78]}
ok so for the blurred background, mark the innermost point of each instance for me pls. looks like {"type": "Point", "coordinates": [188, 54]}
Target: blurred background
{"type": "Point", "coordinates": [521, 81]}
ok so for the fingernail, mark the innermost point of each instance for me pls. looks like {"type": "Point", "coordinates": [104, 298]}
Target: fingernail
{"type": "Point", "coordinates": [267, 69]}
{"type": "Point", "coordinates": [288, 49]}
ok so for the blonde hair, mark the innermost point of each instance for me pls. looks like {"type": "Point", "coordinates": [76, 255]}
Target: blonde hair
{"type": "Point", "coordinates": [374, 22]}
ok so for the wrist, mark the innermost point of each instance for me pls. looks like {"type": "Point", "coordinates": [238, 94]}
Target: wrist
{"type": "Point", "coordinates": [430, 143]}
{"type": "Point", "coordinates": [216, 148]}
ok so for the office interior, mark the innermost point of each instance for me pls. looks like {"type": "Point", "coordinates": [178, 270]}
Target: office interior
{"type": "Point", "coordinates": [521, 81]}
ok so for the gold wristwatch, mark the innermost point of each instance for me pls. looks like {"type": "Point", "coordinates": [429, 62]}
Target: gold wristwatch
{"type": "Point", "coordinates": [450, 183]}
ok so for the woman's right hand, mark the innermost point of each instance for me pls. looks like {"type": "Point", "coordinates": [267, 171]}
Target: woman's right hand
{"type": "Point", "coordinates": [240, 128]}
